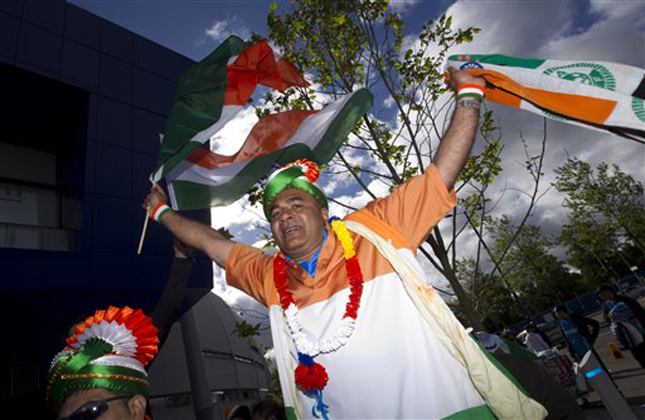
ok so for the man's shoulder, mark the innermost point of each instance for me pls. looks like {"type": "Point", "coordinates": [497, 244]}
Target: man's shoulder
{"type": "Point", "coordinates": [241, 250]}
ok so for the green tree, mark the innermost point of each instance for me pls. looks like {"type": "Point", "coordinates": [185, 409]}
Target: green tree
{"type": "Point", "coordinates": [539, 278]}
{"type": "Point", "coordinates": [343, 45]}
{"type": "Point", "coordinates": [606, 197]}
{"type": "Point", "coordinates": [492, 299]}
{"type": "Point", "coordinates": [591, 247]}
{"type": "Point", "coordinates": [244, 329]}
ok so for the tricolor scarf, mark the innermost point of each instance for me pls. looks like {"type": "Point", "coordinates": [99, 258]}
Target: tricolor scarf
{"type": "Point", "coordinates": [595, 94]}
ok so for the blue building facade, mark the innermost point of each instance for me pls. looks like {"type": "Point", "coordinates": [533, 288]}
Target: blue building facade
{"type": "Point", "coordinates": [83, 104]}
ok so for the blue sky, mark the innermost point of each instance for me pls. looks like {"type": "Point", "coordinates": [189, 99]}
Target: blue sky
{"type": "Point", "coordinates": [598, 30]}
{"type": "Point", "coordinates": [194, 28]}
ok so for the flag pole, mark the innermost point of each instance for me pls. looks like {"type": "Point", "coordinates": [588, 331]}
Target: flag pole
{"type": "Point", "coordinates": [143, 232]}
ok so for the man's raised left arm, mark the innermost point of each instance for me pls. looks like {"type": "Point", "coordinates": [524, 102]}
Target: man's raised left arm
{"type": "Point", "coordinates": [458, 140]}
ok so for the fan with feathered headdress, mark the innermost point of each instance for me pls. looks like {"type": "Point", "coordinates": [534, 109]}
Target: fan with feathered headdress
{"type": "Point", "coordinates": [110, 350]}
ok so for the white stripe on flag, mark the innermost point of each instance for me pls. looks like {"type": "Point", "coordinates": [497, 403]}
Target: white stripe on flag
{"type": "Point", "coordinates": [310, 131]}
{"type": "Point", "coordinates": [228, 112]}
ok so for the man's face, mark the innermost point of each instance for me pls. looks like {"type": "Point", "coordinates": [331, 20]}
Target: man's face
{"type": "Point", "coordinates": [297, 222]}
{"type": "Point", "coordinates": [561, 314]}
{"type": "Point", "coordinates": [121, 409]}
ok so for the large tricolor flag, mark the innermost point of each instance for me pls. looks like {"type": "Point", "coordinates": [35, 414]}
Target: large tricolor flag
{"type": "Point", "coordinates": [210, 94]}
{"type": "Point", "coordinates": [596, 94]}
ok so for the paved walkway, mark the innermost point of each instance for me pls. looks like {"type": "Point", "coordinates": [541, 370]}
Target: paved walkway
{"type": "Point", "coordinates": [626, 372]}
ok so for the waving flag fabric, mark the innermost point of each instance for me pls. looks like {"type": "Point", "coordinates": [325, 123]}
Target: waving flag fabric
{"type": "Point", "coordinates": [596, 94]}
{"type": "Point", "coordinates": [210, 94]}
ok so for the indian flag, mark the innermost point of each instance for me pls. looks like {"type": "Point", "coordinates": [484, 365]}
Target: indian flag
{"type": "Point", "coordinates": [596, 94]}
{"type": "Point", "coordinates": [210, 94]}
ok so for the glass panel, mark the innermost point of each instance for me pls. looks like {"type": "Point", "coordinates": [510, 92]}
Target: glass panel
{"type": "Point", "coordinates": [25, 237]}
{"type": "Point", "coordinates": [71, 213]}
{"type": "Point", "coordinates": [28, 205]}
{"type": "Point", "coordinates": [56, 240]}
{"type": "Point", "coordinates": [26, 164]}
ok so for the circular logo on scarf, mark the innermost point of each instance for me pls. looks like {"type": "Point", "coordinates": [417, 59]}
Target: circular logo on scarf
{"type": "Point", "coordinates": [638, 106]}
{"type": "Point", "coordinates": [593, 74]}
{"type": "Point", "coordinates": [471, 65]}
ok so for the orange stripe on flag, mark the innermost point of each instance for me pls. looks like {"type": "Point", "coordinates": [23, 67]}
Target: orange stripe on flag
{"type": "Point", "coordinates": [268, 135]}
{"type": "Point", "coordinates": [584, 108]}
{"type": "Point", "coordinates": [254, 65]}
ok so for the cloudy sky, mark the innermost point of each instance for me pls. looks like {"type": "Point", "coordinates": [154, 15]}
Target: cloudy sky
{"type": "Point", "coordinates": [562, 30]}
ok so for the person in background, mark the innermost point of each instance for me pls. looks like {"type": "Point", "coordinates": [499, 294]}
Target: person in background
{"type": "Point", "coordinates": [626, 329]}
{"type": "Point", "coordinates": [579, 332]}
{"type": "Point", "coordinates": [103, 402]}
{"type": "Point", "coordinates": [167, 308]}
{"type": "Point", "coordinates": [101, 371]}
{"type": "Point", "coordinates": [607, 294]}
{"type": "Point", "coordinates": [533, 340]}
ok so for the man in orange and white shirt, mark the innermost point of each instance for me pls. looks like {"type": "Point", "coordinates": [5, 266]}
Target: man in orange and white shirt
{"type": "Point", "coordinates": [405, 356]}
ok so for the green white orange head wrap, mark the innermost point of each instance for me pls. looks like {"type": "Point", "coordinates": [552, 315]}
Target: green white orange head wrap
{"type": "Point", "coordinates": [301, 175]}
{"type": "Point", "coordinates": [109, 350]}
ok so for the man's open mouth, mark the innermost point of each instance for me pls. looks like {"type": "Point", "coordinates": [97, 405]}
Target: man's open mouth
{"type": "Point", "coordinates": [291, 230]}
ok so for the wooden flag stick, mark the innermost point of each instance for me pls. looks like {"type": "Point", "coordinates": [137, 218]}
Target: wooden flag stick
{"type": "Point", "coordinates": [143, 232]}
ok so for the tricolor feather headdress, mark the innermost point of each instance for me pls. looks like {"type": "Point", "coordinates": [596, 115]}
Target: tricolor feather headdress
{"type": "Point", "coordinates": [110, 350]}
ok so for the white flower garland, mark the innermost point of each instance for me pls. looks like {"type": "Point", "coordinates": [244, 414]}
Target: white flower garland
{"type": "Point", "coordinates": [325, 345]}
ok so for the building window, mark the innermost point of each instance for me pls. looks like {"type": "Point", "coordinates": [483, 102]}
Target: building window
{"type": "Point", "coordinates": [42, 161]}
{"type": "Point", "coordinates": [32, 213]}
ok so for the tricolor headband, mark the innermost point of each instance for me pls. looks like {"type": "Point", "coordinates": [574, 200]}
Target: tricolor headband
{"type": "Point", "coordinates": [301, 175]}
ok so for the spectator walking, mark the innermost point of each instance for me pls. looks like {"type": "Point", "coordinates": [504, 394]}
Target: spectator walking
{"type": "Point", "coordinates": [628, 335]}
{"type": "Point", "coordinates": [579, 332]}
{"type": "Point", "coordinates": [607, 294]}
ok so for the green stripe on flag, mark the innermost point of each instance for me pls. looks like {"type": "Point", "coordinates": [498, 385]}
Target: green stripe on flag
{"type": "Point", "coordinates": [198, 100]}
{"type": "Point", "coordinates": [342, 125]}
{"type": "Point", "coordinates": [501, 60]}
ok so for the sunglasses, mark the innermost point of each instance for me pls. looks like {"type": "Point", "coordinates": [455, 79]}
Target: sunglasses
{"type": "Point", "coordinates": [93, 409]}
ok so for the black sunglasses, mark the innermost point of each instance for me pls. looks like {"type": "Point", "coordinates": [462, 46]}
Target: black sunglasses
{"type": "Point", "coordinates": [93, 409]}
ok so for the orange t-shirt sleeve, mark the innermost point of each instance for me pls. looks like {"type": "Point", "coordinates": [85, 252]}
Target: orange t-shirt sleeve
{"type": "Point", "coordinates": [245, 270]}
{"type": "Point", "coordinates": [416, 206]}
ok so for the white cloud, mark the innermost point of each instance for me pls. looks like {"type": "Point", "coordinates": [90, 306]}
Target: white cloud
{"type": "Point", "coordinates": [402, 6]}
{"type": "Point", "coordinates": [525, 29]}
{"type": "Point", "coordinates": [546, 30]}
{"type": "Point", "coordinates": [222, 29]}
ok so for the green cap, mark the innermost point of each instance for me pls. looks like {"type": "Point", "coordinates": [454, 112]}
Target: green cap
{"type": "Point", "coordinates": [290, 177]}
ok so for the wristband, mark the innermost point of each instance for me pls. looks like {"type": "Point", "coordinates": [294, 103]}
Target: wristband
{"type": "Point", "coordinates": [470, 90]}
{"type": "Point", "coordinates": [161, 209]}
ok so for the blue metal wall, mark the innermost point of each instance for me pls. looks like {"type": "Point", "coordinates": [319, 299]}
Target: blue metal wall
{"type": "Point", "coordinates": [129, 82]}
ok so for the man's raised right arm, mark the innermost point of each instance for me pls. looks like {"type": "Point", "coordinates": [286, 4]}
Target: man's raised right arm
{"type": "Point", "coordinates": [191, 232]}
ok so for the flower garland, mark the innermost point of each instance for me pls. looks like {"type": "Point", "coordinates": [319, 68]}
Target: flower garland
{"type": "Point", "coordinates": [311, 376]}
